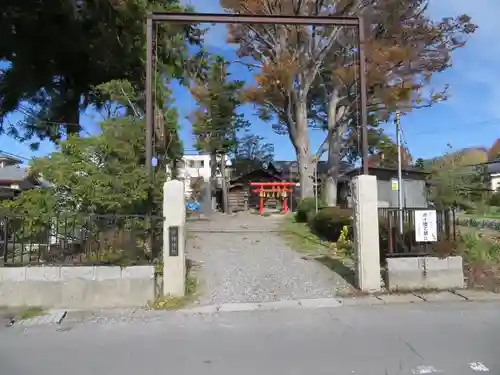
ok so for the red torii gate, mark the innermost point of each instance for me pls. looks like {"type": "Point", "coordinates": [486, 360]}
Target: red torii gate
{"type": "Point", "coordinates": [268, 189]}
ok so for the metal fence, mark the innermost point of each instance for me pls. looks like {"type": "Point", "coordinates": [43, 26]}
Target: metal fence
{"type": "Point", "coordinates": [397, 242]}
{"type": "Point", "coordinates": [80, 240]}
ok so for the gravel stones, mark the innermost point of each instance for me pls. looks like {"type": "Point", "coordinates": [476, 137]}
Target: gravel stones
{"type": "Point", "coordinates": [243, 259]}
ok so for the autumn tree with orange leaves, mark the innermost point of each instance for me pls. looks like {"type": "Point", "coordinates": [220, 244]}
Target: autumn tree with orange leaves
{"type": "Point", "coordinates": [307, 75]}
{"type": "Point", "coordinates": [494, 151]}
{"type": "Point", "coordinates": [387, 155]}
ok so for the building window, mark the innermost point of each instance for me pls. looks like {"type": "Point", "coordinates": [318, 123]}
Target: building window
{"type": "Point", "coordinates": [196, 164]}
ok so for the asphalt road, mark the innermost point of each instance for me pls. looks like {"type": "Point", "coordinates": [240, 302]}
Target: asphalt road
{"type": "Point", "coordinates": [453, 338]}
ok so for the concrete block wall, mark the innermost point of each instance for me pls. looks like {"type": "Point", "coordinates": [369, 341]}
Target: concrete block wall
{"type": "Point", "coordinates": [77, 287]}
{"type": "Point", "coordinates": [415, 273]}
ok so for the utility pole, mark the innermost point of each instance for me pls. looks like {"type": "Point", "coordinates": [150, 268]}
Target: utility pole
{"type": "Point", "coordinates": [225, 204]}
{"type": "Point", "coordinates": [400, 173]}
{"type": "Point", "coordinates": [315, 161]}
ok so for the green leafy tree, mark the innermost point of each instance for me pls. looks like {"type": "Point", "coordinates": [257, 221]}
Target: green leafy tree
{"type": "Point", "coordinates": [94, 180]}
{"type": "Point", "coordinates": [216, 122]}
{"type": "Point", "coordinates": [455, 183]}
{"type": "Point", "coordinates": [85, 43]}
{"type": "Point", "coordinates": [102, 174]}
{"type": "Point", "coordinates": [121, 98]}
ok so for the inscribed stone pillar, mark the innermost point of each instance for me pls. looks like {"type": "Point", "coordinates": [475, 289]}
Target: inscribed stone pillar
{"type": "Point", "coordinates": [366, 233]}
{"type": "Point", "coordinates": [174, 239]}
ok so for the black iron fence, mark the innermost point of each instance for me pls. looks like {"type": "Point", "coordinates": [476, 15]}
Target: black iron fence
{"type": "Point", "coordinates": [398, 233]}
{"type": "Point", "coordinates": [80, 240]}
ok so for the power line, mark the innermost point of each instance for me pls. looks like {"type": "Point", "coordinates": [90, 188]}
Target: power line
{"type": "Point", "coordinates": [15, 155]}
{"type": "Point", "coordinates": [483, 123]}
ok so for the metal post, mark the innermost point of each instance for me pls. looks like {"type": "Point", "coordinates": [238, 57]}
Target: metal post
{"type": "Point", "coordinates": [400, 173]}
{"type": "Point", "coordinates": [316, 184]}
{"type": "Point", "coordinates": [149, 128]}
{"type": "Point", "coordinates": [225, 203]}
{"type": "Point", "coordinates": [363, 100]}
{"type": "Point", "coordinates": [149, 97]}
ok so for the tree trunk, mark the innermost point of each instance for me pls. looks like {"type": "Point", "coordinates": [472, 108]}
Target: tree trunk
{"type": "Point", "coordinates": [332, 174]}
{"type": "Point", "coordinates": [334, 140]}
{"type": "Point", "coordinates": [303, 150]}
{"type": "Point", "coordinates": [213, 179]}
{"type": "Point", "coordinates": [71, 110]}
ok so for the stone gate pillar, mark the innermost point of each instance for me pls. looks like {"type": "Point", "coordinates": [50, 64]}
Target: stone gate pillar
{"type": "Point", "coordinates": [366, 233]}
{"type": "Point", "coordinates": [174, 239]}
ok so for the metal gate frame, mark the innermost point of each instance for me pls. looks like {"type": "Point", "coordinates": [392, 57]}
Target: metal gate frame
{"type": "Point", "coordinates": [175, 17]}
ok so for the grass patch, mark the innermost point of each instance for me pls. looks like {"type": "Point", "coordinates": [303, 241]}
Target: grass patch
{"type": "Point", "coordinates": [174, 303]}
{"type": "Point", "coordinates": [31, 312]}
{"type": "Point", "coordinates": [481, 255]}
{"type": "Point", "coordinates": [300, 238]}
{"type": "Point", "coordinates": [21, 313]}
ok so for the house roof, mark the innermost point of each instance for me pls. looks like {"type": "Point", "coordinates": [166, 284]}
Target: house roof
{"type": "Point", "coordinates": [292, 167]}
{"type": "Point", "coordinates": [269, 173]}
{"type": "Point", "coordinates": [494, 166]}
{"type": "Point", "coordinates": [9, 158]}
{"type": "Point", "coordinates": [13, 173]}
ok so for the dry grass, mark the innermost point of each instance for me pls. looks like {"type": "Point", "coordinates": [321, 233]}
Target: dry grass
{"type": "Point", "coordinates": [173, 302]}
{"type": "Point", "coordinates": [481, 255]}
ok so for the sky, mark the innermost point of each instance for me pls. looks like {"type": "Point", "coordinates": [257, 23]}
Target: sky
{"type": "Point", "coordinates": [469, 118]}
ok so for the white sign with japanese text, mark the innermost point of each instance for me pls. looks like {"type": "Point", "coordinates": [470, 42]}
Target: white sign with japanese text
{"type": "Point", "coordinates": [425, 226]}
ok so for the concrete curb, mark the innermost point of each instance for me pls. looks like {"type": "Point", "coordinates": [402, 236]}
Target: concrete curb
{"type": "Point", "coordinates": [56, 317]}
{"type": "Point", "coordinates": [51, 317]}
{"type": "Point", "coordinates": [388, 299]}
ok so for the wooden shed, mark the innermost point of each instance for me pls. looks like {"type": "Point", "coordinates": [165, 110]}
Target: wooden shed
{"type": "Point", "coordinates": [240, 195]}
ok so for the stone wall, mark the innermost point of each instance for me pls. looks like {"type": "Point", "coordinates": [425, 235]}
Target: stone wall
{"type": "Point", "coordinates": [77, 287]}
{"type": "Point", "coordinates": [415, 273]}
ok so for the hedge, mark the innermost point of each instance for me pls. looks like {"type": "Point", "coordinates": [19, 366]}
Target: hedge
{"type": "Point", "coordinates": [305, 207]}
{"type": "Point", "coordinates": [495, 199]}
{"type": "Point", "coordinates": [329, 222]}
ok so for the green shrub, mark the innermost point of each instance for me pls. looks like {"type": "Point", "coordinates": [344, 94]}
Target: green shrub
{"type": "Point", "coordinates": [495, 199]}
{"type": "Point", "coordinates": [399, 242]}
{"type": "Point", "coordinates": [478, 249]}
{"type": "Point", "coordinates": [328, 222]}
{"type": "Point", "coordinates": [306, 205]}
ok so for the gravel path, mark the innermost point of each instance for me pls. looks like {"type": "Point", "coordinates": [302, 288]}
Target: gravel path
{"type": "Point", "coordinates": [243, 260]}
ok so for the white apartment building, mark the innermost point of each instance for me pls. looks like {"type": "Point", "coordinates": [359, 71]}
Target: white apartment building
{"type": "Point", "coordinates": [195, 166]}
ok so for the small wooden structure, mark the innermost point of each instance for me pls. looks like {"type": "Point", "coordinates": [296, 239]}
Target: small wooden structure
{"type": "Point", "coordinates": [240, 195]}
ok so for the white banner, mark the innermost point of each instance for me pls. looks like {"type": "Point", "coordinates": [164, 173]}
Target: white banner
{"type": "Point", "coordinates": [425, 226]}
